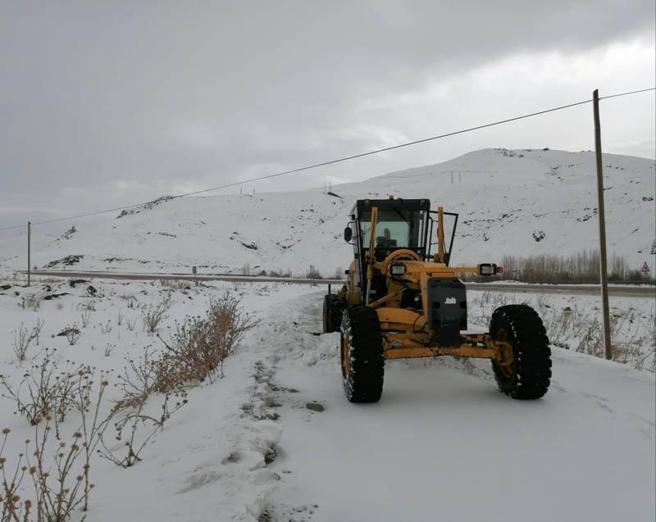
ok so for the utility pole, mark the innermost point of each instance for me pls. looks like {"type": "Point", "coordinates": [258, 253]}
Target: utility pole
{"type": "Point", "coordinates": [29, 252]}
{"type": "Point", "coordinates": [602, 227]}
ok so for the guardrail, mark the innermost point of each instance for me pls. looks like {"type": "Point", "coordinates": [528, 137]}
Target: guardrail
{"type": "Point", "coordinates": [547, 288]}
{"type": "Point", "coordinates": [101, 274]}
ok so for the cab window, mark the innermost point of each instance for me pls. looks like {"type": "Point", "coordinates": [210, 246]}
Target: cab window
{"type": "Point", "coordinates": [396, 228]}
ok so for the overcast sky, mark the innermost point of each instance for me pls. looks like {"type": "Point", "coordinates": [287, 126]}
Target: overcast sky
{"type": "Point", "coordinates": [108, 103]}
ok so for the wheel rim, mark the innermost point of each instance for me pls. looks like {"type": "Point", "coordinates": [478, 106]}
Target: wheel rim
{"type": "Point", "coordinates": [346, 350]}
{"type": "Point", "coordinates": [507, 369]}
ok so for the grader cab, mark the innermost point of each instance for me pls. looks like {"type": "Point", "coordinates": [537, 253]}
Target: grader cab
{"type": "Point", "coordinates": [402, 300]}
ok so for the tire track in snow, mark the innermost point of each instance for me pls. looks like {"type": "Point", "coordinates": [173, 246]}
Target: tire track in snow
{"type": "Point", "coordinates": [326, 451]}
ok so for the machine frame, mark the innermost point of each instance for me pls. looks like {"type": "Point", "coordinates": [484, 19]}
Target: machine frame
{"type": "Point", "coordinates": [406, 331]}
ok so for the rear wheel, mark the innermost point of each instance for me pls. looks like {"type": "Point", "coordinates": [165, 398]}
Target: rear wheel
{"type": "Point", "coordinates": [333, 305]}
{"type": "Point", "coordinates": [528, 375]}
{"type": "Point", "coordinates": [363, 360]}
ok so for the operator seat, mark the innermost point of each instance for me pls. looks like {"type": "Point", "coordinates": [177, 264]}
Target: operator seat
{"type": "Point", "coordinates": [385, 242]}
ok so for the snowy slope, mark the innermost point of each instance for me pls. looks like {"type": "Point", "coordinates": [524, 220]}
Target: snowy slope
{"type": "Point", "coordinates": [504, 197]}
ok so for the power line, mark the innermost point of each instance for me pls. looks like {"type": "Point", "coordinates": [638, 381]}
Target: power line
{"type": "Point", "coordinates": [625, 93]}
{"type": "Point", "coordinates": [343, 159]}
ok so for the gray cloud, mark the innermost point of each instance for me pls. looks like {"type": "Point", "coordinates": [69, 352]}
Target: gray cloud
{"type": "Point", "coordinates": [135, 99]}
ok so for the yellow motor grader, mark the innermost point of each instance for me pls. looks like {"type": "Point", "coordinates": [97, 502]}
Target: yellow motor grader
{"type": "Point", "coordinates": [402, 301]}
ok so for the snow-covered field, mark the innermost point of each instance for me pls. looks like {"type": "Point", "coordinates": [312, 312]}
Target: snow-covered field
{"type": "Point", "coordinates": [275, 438]}
{"type": "Point", "coordinates": [515, 202]}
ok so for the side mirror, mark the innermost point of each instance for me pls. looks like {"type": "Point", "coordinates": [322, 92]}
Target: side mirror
{"type": "Point", "coordinates": [348, 234]}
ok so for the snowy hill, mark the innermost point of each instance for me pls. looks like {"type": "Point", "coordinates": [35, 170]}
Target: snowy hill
{"type": "Point", "coordinates": [519, 202]}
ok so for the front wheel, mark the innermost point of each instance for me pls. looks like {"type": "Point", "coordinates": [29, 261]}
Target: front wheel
{"type": "Point", "coordinates": [363, 360]}
{"type": "Point", "coordinates": [529, 374]}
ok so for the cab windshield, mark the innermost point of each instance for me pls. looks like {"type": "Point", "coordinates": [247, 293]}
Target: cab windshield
{"type": "Point", "coordinates": [396, 228]}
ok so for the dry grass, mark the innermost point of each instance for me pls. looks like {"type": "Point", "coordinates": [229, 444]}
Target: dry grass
{"type": "Point", "coordinates": [175, 284]}
{"type": "Point", "coordinates": [50, 480]}
{"type": "Point", "coordinates": [31, 302]}
{"type": "Point", "coordinates": [130, 324]}
{"type": "Point", "coordinates": [194, 353]}
{"type": "Point", "coordinates": [199, 346]}
{"type": "Point", "coordinates": [59, 471]}
{"type": "Point", "coordinates": [85, 317]}
{"type": "Point", "coordinates": [72, 334]}
{"type": "Point", "coordinates": [106, 328]}
{"type": "Point", "coordinates": [45, 391]}
{"type": "Point", "coordinates": [109, 348]}
{"type": "Point", "coordinates": [36, 330]}
{"type": "Point", "coordinates": [313, 273]}
{"type": "Point", "coordinates": [89, 306]}
{"type": "Point", "coordinates": [24, 337]}
{"type": "Point", "coordinates": [153, 315]}
{"type": "Point", "coordinates": [22, 340]}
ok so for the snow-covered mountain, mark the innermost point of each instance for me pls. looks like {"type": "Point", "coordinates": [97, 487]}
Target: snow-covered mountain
{"type": "Point", "coordinates": [519, 202]}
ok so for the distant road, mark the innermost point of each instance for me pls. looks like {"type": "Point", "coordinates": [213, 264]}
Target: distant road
{"type": "Point", "coordinates": [619, 291]}
{"type": "Point", "coordinates": [137, 276]}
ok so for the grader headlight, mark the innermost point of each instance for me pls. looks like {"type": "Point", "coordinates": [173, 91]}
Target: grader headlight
{"type": "Point", "coordinates": [397, 269]}
{"type": "Point", "coordinates": [487, 269]}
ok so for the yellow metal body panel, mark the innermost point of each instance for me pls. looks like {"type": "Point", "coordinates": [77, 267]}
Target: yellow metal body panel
{"type": "Point", "coordinates": [403, 319]}
{"type": "Point", "coordinates": [351, 289]}
{"type": "Point", "coordinates": [425, 351]}
{"type": "Point", "coordinates": [402, 345]}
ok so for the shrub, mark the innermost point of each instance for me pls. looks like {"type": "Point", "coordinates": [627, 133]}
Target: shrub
{"type": "Point", "coordinates": [199, 345]}
{"type": "Point", "coordinates": [280, 273]}
{"type": "Point", "coordinates": [44, 391]}
{"type": "Point", "coordinates": [106, 327]}
{"type": "Point", "coordinates": [138, 382]}
{"type": "Point", "coordinates": [130, 324]}
{"type": "Point", "coordinates": [131, 300]}
{"type": "Point", "coordinates": [195, 352]}
{"type": "Point", "coordinates": [22, 339]}
{"type": "Point", "coordinates": [174, 284]}
{"type": "Point", "coordinates": [582, 267]}
{"type": "Point", "coordinates": [59, 471]}
{"type": "Point", "coordinates": [109, 348]}
{"type": "Point", "coordinates": [154, 314]}
{"type": "Point", "coordinates": [31, 302]}
{"type": "Point", "coordinates": [36, 331]}
{"type": "Point", "coordinates": [72, 334]}
{"type": "Point", "coordinates": [85, 317]}
{"type": "Point", "coordinates": [89, 306]}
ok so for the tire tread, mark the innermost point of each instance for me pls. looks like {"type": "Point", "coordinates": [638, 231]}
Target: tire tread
{"type": "Point", "coordinates": [365, 383]}
{"type": "Point", "coordinates": [532, 372]}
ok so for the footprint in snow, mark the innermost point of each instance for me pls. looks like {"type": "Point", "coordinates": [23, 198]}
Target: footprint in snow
{"type": "Point", "coordinates": [315, 406]}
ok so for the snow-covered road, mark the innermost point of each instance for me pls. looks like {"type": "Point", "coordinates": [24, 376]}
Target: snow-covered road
{"type": "Point", "coordinates": [443, 444]}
